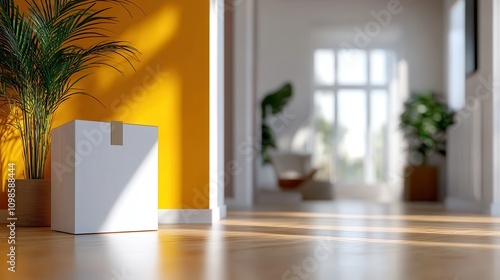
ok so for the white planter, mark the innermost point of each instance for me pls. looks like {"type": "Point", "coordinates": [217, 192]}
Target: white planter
{"type": "Point", "coordinates": [99, 187]}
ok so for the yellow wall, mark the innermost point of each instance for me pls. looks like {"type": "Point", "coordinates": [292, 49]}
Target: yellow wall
{"type": "Point", "coordinates": [169, 89]}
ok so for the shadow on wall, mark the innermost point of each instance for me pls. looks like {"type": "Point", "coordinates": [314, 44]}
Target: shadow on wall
{"type": "Point", "coordinates": [169, 89]}
{"type": "Point", "coordinates": [10, 150]}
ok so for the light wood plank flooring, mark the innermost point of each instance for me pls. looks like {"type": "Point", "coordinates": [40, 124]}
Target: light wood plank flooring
{"type": "Point", "coordinates": [342, 241]}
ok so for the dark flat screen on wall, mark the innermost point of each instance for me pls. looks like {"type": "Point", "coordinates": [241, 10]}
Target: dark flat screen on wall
{"type": "Point", "coordinates": [471, 54]}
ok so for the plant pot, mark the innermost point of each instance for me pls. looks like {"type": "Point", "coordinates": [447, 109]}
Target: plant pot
{"type": "Point", "coordinates": [421, 183]}
{"type": "Point", "coordinates": [290, 184]}
{"type": "Point", "coordinates": [33, 203]}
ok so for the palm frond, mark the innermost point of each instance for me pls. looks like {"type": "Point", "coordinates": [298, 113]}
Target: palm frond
{"type": "Point", "coordinates": [44, 54]}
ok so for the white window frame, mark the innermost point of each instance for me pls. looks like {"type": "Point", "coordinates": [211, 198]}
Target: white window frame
{"type": "Point", "coordinates": [369, 170]}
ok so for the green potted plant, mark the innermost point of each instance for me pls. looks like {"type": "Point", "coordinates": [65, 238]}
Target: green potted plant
{"type": "Point", "coordinates": [44, 53]}
{"type": "Point", "coordinates": [272, 104]}
{"type": "Point", "coordinates": [424, 122]}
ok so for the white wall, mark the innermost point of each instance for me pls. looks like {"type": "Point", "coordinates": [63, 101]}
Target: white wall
{"type": "Point", "coordinates": [286, 30]}
{"type": "Point", "coordinates": [473, 181]}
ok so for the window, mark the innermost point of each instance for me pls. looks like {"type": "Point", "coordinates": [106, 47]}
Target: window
{"type": "Point", "coordinates": [352, 105]}
{"type": "Point", "coordinates": [456, 56]}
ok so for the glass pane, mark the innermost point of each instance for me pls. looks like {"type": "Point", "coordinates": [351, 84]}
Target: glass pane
{"type": "Point", "coordinates": [324, 67]}
{"type": "Point", "coordinates": [351, 135]}
{"type": "Point", "coordinates": [379, 123]}
{"type": "Point", "coordinates": [324, 108]}
{"type": "Point", "coordinates": [456, 56]}
{"type": "Point", "coordinates": [378, 67]}
{"type": "Point", "coordinates": [352, 66]}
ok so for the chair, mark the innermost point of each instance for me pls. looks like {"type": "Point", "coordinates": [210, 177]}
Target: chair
{"type": "Point", "coordinates": [295, 172]}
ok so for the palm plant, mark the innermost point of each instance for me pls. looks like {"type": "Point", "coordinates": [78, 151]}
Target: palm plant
{"type": "Point", "coordinates": [44, 53]}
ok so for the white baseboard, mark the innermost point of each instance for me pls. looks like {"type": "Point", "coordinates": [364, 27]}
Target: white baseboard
{"type": "Point", "coordinates": [191, 216]}
{"type": "Point", "coordinates": [219, 213]}
{"type": "Point", "coordinates": [495, 209]}
{"type": "Point", "coordinates": [174, 216]}
{"type": "Point", "coordinates": [456, 204]}
{"type": "Point", "coordinates": [186, 216]}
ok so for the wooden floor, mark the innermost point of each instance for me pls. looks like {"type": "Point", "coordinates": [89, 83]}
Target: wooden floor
{"type": "Point", "coordinates": [310, 241]}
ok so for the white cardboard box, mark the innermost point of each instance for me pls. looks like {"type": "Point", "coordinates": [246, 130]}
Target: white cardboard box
{"type": "Point", "coordinates": [99, 187]}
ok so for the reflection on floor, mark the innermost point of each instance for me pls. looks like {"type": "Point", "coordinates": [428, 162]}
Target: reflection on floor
{"type": "Point", "coordinates": [309, 241]}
